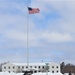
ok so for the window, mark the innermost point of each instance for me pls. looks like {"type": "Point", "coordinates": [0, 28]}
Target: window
{"type": "Point", "coordinates": [18, 67]}
{"type": "Point", "coordinates": [42, 67]}
{"type": "Point", "coordinates": [30, 66]}
{"type": "Point", "coordinates": [52, 71]}
{"type": "Point", "coordinates": [57, 71]}
{"type": "Point", "coordinates": [57, 67]}
{"type": "Point", "coordinates": [9, 67]}
{"type": "Point", "coordinates": [52, 66]}
{"type": "Point", "coordinates": [26, 66]}
{"type": "Point", "coordinates": [38, 66]}
{"type": "Point", "coordinates": [4, 67]}
{"type": "Point", "coordinates": [35, 71]}
{"type": "Point", "coordinates": [13, 67]}
{"type": "Point", "coordinates": [35, 66]}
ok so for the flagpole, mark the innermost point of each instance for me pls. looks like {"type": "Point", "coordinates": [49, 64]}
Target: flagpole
{"type": "Point", "coordinates": [35, 11]}
{"type": "Point", "coordinates": [27, 50]}
{"type": "Point", "coordinates": [27, 39]}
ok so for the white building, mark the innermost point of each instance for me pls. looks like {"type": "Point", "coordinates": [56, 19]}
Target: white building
{"type": "Point", "coordinates": [35, 67]}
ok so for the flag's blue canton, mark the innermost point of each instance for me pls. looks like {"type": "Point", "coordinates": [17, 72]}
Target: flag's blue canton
{"type": "Point", "coordinates": [29, 8]}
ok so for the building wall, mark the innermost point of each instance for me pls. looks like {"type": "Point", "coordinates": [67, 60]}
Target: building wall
{"type": "Point", "coordinates": [53, 67]}
{"type": "Point", "coordinates": [9, 67]}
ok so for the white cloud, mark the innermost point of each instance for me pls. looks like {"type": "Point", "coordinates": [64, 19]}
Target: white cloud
{"type": "Point", "coordinates": [51, 37]}
{"type": "Point", "coordinates": [57, 37]}
{"type": "Point", "coordinates": [13, 27]}
{"type": "Point", "coordinates": [16, 35]}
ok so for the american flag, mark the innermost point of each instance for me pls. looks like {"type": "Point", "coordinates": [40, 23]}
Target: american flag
{"type": "Point", "coordinates": [33, 10]}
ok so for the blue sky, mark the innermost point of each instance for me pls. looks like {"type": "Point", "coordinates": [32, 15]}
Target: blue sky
{"type": "Point", "coordinates": [51, 32]}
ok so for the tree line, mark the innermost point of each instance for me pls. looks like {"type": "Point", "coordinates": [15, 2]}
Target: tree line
{"type": "Point", "coordinates": [67, 68]}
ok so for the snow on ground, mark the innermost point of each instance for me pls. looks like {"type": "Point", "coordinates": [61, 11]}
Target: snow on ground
{"type": "Point", "coordinates": [47, 74]}
{"type": "Point", "coordinates": [6, 73]}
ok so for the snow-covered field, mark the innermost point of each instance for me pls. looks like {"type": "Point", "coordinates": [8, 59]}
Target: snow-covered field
{"type": "Point", "coordinates": [47, 74]}
{"type": "Point", "coordinates": [6, 73]}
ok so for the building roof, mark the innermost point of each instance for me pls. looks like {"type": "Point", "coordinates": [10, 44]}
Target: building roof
{"type": "Point", "coordinates": [31, 64]}
{"type": "Point", "coordinates": [34, 64]}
